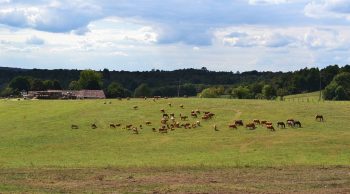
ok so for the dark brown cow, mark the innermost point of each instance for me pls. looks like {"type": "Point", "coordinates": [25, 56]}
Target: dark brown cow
{"type": "Point", "coordinates": [112, 125]}
{"type": "Point", "coordinates": [268, 123]}
{"type": "Point", "coordinates": [250, 126]}
{"type": "Point", "coordinates": [148, 123]}
{"type": "Point", "coordinates": [297, 124]}
{"type": "Point", "coordinates": [281, 124]}
{"type": "Point", "coordinates": [319, 118]}
{"type": "Point", "coordinates": [233, 126]}
{"type": "Point", "coordinates": [74, 126]}
{"type": "Point", "coordinates": [194, 115]}
{"type": "Point", "coordinates": [263, 122]}
{"type": "Point", "coordinates": [239, 122]}
{"type": "Point", "coordinates": [257, 121]}
{"type": "Point", "coordinates": [93, 126]}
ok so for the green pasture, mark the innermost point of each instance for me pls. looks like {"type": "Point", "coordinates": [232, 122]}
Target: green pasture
{"type": "Point", "coordinates": [38, 134]}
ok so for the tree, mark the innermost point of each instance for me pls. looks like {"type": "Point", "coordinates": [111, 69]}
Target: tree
{"type": "Point", "coordinates": [74, 85]}
{"type": "Point", "coordinates": [115, 90]}
{"type": "Point", "coordinates": [339, 88]}
{"type": "Point", "coordinates": [142, 91]}
{"type": "Point", "coordinates": [242, 92]}
{"type": "Point", "coordinates": [269, 92]}
{"type": "Point", "coordinates": [90, 80]}
{"type": "Point", "coordinates": [56, 85]}
{"type": "Point", "coordinates": [212, 92]}
{"type": "Point", "coordinates": [37, 85]}
{"type": "Point", "coordinates": [20, 83]}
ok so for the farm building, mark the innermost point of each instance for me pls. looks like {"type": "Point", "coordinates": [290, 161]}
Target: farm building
{"type": "Point", "coordinates": [66, 94]}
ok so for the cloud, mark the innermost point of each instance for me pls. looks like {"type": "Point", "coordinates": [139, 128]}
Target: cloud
{"type": "Point", "coordinates": [328, 9]}
{"type": "Point", "coordinates": [35, 41]}
{"type": "Point", "coordinates": [267, 2]}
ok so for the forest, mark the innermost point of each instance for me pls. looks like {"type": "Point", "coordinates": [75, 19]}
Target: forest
{"type": "Point", "coordinates": [333, 80]}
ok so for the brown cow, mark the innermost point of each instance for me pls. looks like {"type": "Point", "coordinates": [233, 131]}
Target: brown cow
{"type": "Point", "coordinates": [215, 128]}
{"type": "Point", "coordinates": [239, 122]}
{"type": "Point", "coordinates": [297, 124]}
{"type": "Point", "coordinates": [257, 121]}
{"type": "Point", "coordinates": [194, 115]}
{"type": "Point", "coordinates": [270, 127]}
{"type": "Point", "coordinates": [135, 107]}
{"type": "Point", "coordinates": [319, 118]}
{"type": "Point", "coordinates": [162, 110]}
{"type": "Point", "coordinates": [93, 126]}
{"type": "Point", "coordinates": [112, 125]}
{"type": "Point", "coordinates": [183, 118]}
{"type": "Point", "coordinates": [281, 124]}
{"type": "Point", "coordinates": [181, 106]}
{"type": "Point", "coordinates": [148, 123]}
{"type": "Point", "coordinates": [74, 126]}
{"type": "Point", "coordinates": [263, 122]}
{"type": "Point", "coordinates": [205, 117]}
{"type": "Point", "coordinates": [233, 126]}
{"type": "Point", "coordinates": [268, 123]}
{"type": "Point", "coordinates": [250, 126]}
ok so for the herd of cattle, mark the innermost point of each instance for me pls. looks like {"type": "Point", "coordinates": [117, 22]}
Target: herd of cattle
{"type": "Point", "coordinates": [169, 121]}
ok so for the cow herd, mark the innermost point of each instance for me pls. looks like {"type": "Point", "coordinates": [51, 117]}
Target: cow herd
{"type": "Point", "coordinates": [171, 122]}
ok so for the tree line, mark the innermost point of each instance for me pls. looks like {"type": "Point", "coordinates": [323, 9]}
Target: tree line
{"type": "Point", "coordinates": [334, 80]}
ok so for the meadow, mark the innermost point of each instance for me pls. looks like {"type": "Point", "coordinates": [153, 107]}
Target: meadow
{"type": "Point", "coordinates": [37, 135]}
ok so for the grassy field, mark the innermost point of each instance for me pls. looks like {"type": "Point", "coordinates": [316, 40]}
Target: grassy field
{"type": "Point", "coordinates": [306, 97]}
{"type": "Point", "coordinates": [37, 135]}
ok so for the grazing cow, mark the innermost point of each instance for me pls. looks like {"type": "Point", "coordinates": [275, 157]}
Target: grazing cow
{"type": "Point", "coordinates": [118, 125]}
{"type": "Point", "coordinates": [128, 127]}
{"type": "Point", "coordinates": [135, 107]}
{"type": "Point", "coordinates": [163, 129]}
{"type": "Point", "coordinates": [239, 122]}
{"type": "Point", "coordinates": [162, 110]}
{"type": "Point", "coordinates": [169, 104]}
{"type": "Point", "coordinates": [290, 123]}
{"type": "Point", "coordinates": [154, 129]}
{"type": "Point", "coordinates": [194, 115]}
{"type": "Point", "coordinates": [93, 126]}
{"type": "Point", "coordinates": [74, 126]}
{"type": "Point", "coordinates": [281, 124]}
{"type": "Point", "coordinates": [215, 128]}
{"type": "Point", "coordinates": [319, 118]}
{"type": "Point", "coordinates": [163, 121]}
{"type": "Point", "coordinates": [268, 123]}
{"type": "Point", "coordinates": [172, 115]}
{"type": "Point", "coordinates": [165, 115]}
{"type": "Point", "coordinates": [250, 126]}
{"type": "Point", "coordinates": [135, 130]}
{"type": "Point", "coordinates": [198, 112]}
{"type": "Point", "coordinates": [263, 122]}
{"type": "Point", "coordinates": [148, 123]}
{"type": "Point", "coordinates": [297, 124]}
{"type": "Point", "coordinates": [257, 121]}
{"type": "Point", "coordinates": [183, 118]}
{"type": "Point", "coordinates": [141, 127]}
{"type": "Point", "coordinates": [270, 127]}
{"type": "Point", "coordinates": [112, 125]}
{"type": "Point", "coordinates": [205, 117]}
{"type": "Point", "coordinates": [206, 113]}
{"type": "Point", "coordinates": [211, 115]}
{"type": "Point", "coordinates": [233, 126]}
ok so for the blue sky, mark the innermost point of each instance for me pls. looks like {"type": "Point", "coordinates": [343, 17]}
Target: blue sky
{"type": "Point", "coordinates": [225, 35]}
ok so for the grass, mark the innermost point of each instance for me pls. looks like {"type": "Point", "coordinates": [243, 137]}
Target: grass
{"type": "Point", "coordinates": [307, 97]}
{"type": "Point", "coordinates": [37, 135]}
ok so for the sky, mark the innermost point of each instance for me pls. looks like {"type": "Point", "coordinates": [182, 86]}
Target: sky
{"type": "Point", "coordinates": [141, 35]}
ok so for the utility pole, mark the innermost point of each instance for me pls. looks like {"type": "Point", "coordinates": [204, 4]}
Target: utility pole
{"type": "Point", "coordinates": [320, 87]}
{"type": "Point", "coordinates": [178, 89]}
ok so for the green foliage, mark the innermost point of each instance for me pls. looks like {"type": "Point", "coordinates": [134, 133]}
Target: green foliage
{"type": "Point", "coordinates": [242, 92]}
{"type": "Point", "coordinates": [339, 88]}
{"type": "Point", "coordinates": [6, 92]}
{"type": "Point", "coordinates": [74, 85]}
{"type": "Point", "coordinates": [20, 83]}
{"type": "Point", "coordinates": [115, 90]}
{"type": "Point", "coordinates": [142, 91]}
{"type": "Point", "coordinates": [37, 85]}
{"type": "Point", "coordinates": [212, 92]}
{"type": "Point", "coordinates": [269, 92]}
{"type": "Point", "coordinates": [90, 80]}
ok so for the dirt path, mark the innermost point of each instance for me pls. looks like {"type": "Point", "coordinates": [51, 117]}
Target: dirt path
{"type": "Point", "coordinates": [141, 180]}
